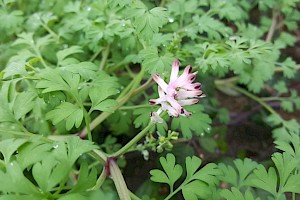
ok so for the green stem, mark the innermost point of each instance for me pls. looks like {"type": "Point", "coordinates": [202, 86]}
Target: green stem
{"type": "Point", "coordinates": [227, 81]}
{"type": "Point", "coordinates": [36, 50]}
{"type": "Point", "coordinates": [99, 155]}
{"type": "Point", "coordinates": [95, 55]}
{"type": "Point", "coordinates": [105, 54]}
{"type": "Point", "coordinates": [274, 98]}
{"type": "Point", "coordinates": [255, 98]}
{"type": "Point", "coordinates": [87, 123]}
{"type": "Point", "coordinates": [133, 196]}
{"type": "Point", "coordinates": [174, 192]}
{"type": "Point", "coordinates": [118, 180]}
{"type": "Point", "coordinates": [132, 142]}
{"type": "Point", "coordinates": [100, 180]}
{"type": "Point", "coordinates": [50, 31]}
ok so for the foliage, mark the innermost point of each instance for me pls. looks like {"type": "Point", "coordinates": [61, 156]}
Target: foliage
{"type": "Point", "coordinates": [83, 68]}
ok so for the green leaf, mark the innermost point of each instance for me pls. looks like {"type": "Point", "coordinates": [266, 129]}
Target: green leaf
{"type": "Point", "coordinates": [229, 175]}
{"type": "Point", "coordinates": [172, 172]}
{"type": "Point", "coordinates": [203, 180]}
{"type": "Point", "coordinates": [11, 21]}
{"type": "Point", "coordinates": [23, 104]}
{"type": "Point", "coordinates": [87, 70]}
{"type": "Point", "coordinates": [287, 106]}
{"type": "Point", "coordinates": [195, 190]}
{"type": "Point", "coordinates": [289, 68]}
{"type": "Point", "coordinates": [285, 39]}
{"type": "Point", "coordinates": [13, 180]}
{"type": "Point", "coordinates": [245, 168]}
{"type": "Point", "coordinates": [154, 63]}
{"type": "Point", "coordinates": [15, 68]}
{"type": "Point", "coordinates": [143, 118]}
{"type": "Point", "coordinates": [19, 197]}
{"type": "Point", "coordinates": [9, 146]}
{"type": "Point", "coordinates": [73, 196]}
{"type": "Point", "coordinates": [32, 152]}
{"type": "Point", "coordinates": [62, 54]}
{"type": "Point", "coordinates": [192, 164]}
{"type": "Point", "coordinates": [198, 123]}
{"type": "Point", "coordinates": [56, 79]}
{"type": "Point", "coordinates": [292, 184]}
{"type": "Point", "coordinates": [235, 194]}
{"type": "Point", "coordinates": [148, 22]}
{"type": "Point", "coordinates": [76, 147]}
{"type": "Point", "coordinates": [285, 164]}
{"type": "Point", "coordinates": [99, 99]}
{"type": "Point", "coordinates": [280, 87]}
{"type": "Point", "coordinates": [56, 167]}
{"type": "Point", "coordinates": [215, 29]}
{"type": "Point", "coordinates": [72, 114]}
{"type": "Point", "coordinates": [120, 122]}
{"type": "Point", "coordinates": [87, 179]}
{"type": "Point", "coordinates": [208, 174]}
{"type": "Point", "coordinates": [266, 180]}
{"type": "Point", "coordinates": [290, 145]}
{"type": "Point", "coordinates": [239, 176]}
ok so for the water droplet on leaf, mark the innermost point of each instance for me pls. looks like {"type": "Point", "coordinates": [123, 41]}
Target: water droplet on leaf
{"type": "Point", "coordinates": [171, 19]}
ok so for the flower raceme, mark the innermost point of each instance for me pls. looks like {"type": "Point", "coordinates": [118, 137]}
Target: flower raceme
{"type": "Point", "coordinates": [180, 91]}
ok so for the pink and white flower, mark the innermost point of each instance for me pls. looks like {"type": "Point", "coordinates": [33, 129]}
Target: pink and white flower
{"type": "Point", "coordinates": [180, 91]}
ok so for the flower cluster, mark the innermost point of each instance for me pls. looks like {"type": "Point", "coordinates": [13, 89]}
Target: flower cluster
{"type": "Point", "coordinates": [179, 92]}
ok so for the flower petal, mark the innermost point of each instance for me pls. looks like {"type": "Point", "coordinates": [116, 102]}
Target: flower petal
{"type": "Point", "coordinates": [185, 102]}
{"type": "Point", "coordinates": [156, 118]}
{"type": "Point", "coordinates": [175, 70]}
{"type": "Point", "coordinates": [160, 82]}
{"type": "Point", "coordinates": [183, 94]}
{"type": "Point", "coordinates": [174, 104]}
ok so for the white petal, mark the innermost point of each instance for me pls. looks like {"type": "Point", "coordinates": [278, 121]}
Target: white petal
{"type": "Point", "coordinates": [185, 102]}
{"type": "Point", "coordinates": [183, 94]}
{"type": "Point", "coordinates": [174, 72]}
{"type": "Point", "coordinates": [156, 118]}
{"type": "Point", "coordinates": [160, 82]}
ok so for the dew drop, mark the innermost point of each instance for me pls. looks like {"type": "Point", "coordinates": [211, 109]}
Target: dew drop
{"type": "Point", "coordinates": [11, 164]}
{"type": "Point", "coordinates": [208, 129]}
{"type": "Point", "coordinates": [53, 96]}
{"type": "Point", "coordinates": [201, 134]}
{"type": "Point", "coordinates": [88, 8]}
{"type": "Point", "coordinates": [171, 19]}
{"type": "Point", "coordinates": [65, 46]}
{"type": "Point", "coordinates": [123, 24]}
{"type": "Point", "coordinates": [55, 146]}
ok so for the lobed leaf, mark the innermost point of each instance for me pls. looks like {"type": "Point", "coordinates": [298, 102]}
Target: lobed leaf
{"type": "Point", "coordinates": [72, 114]}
